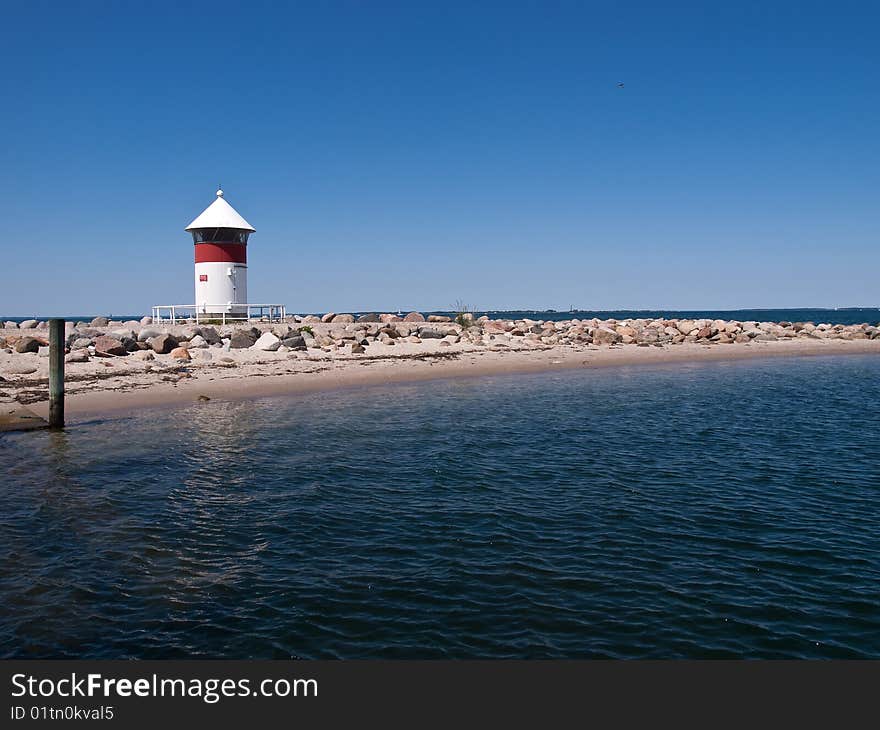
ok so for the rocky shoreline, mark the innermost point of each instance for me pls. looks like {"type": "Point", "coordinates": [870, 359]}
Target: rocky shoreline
{"type": "Point", "coordinates": [104, 355]}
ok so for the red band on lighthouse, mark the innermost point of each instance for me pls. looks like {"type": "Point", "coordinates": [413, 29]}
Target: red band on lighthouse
{"type": "Point", "coordinates": [233, 253]}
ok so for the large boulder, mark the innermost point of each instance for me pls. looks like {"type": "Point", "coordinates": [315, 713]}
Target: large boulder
{"type": "Point", "coordinates": [439, 318]}
{"type": "Point", "coordinates": [343, 319]}
{"type": "Point", "coordinates": [28, 324]}
{"type": "Point", "coordinates": [77, 356]}
{"type": "Point", "coordinates": [295, 343]}
{"type": "Point", "coordinates": [494, 326]}
{"type": "Point", "coordinates": [146, 320]}
{"type": "Point", "coordinates": [706, 332]}
{"type": "Point", "coordinates": [342, 334]}
{"type": "Point", "coordinates": [268, 342]}
{"type": "Point", "coordinates": [414, 317]}
{"type": "Point", "coordinates": [180, 353]}
{"type": "Point", "coordinates": [197, 343]}
{"type": "Point", "coordinates": [125, 335]}
{"type": "Point", "coordinates": [148, 333]}
{"type": "Point", "coordinates": [369, 318]}
{"type": "Point", "coordinates": [10, 325]}
{"type": "Point", "coordinates": [109, 345]}
{"type": "Point", "coordinates": [282, 331]}
{"type": "Point", "coordinates": [209, 335]}
{"type": "Point", "coordinates": [163, 344]}
{"type": "Point", "coordinates": [605, 336]}
{"type": "Point", "coordinates": [685, 326]}
{"type": "Point", "coordinates": [28, 344]}
{"type": "Point", "coordinates": [100, 322]}
{"type": "Point", "coordinates": [431, 333]}
{"type": "Point", "coordinates": [390, 318]}
{"type": "Point", "coordinates": [242, 339]}
{"type": "Point", "coordinates": [328, 317]}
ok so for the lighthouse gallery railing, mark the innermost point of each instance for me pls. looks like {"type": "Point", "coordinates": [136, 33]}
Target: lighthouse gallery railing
{"type": "Point", "coordinates": [174, 313]}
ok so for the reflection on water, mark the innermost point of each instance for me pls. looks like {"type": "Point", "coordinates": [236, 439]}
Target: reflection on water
{"type": "Point", "coordinates": [718, 510]}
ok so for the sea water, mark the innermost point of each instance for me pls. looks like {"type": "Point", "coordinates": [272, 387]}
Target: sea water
{"type": "Point", "coordinates": [689, 510]}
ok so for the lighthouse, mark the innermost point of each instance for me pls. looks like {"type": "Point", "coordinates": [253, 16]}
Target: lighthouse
{"type": "Point", "coordinates": [220, 237]}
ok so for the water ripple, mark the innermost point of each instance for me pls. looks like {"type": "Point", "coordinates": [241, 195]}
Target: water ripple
{"type": "Point", "coordinates": [720, 510]}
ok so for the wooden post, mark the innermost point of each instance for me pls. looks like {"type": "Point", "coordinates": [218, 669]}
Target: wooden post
{"type": "Point", "coordinates": [56, 373]}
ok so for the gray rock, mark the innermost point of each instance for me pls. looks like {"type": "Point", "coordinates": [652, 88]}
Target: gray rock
{"type": "Point", "coordinates": [28, 324]}
{"type": "Point", "coordinates": [196, 343]}
{"type": "Point", "coordinates": [100, 322]}
{"type": "Point", "coordinates": [148, 333]}
{"type": "Point", "coordinates": [328, 317]}
{"type": "Point", "coordinates": [163, 344]}
{"type": "Point", "coordinates": [81, 343]}
{"type": "Point", "coordinates": [145, 355]}
{"type": "Point", "coordinates": [241, 340]}
{"type": "Point", "coordinates": [146, 320]}
{"type": "Point", "coordinates": [10, 325]}
{"type": "Point", "coordinates": [295, 343]}
{"type": "Point", "coordinates": [209, 335]}
{"type": "Point", "coordinates": [369, 318]}
{"type": "Point", "coordinates": [21, 368]}
{"type": "Point", "coordinates": [431, 333]}
{"type": "Point", "coordinates": [43, 351]}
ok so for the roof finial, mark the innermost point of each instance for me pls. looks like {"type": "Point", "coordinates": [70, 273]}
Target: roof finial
{"type": "Point", "coordinates": [219, 191]}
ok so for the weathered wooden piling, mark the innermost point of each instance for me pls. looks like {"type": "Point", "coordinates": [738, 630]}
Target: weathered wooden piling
{"type": "Point", "coordinates": [56, 373]}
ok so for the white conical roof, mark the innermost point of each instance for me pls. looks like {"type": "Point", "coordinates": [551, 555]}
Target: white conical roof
{"type": "Point", "coordinates": [220, 214]}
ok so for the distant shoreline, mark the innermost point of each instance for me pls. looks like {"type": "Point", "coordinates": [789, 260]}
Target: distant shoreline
{"type": "Point", "coordinates": [870, 314]}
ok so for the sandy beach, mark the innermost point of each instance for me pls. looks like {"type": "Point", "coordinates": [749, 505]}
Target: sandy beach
{"type": "Point", "coordinates": [97, 384]}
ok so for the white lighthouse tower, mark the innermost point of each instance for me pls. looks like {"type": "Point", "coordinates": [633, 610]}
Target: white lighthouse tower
{"type": "Point", "coordinates": [220, 236]}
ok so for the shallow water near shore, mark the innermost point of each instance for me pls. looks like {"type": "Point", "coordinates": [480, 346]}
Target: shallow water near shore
{"type": "Point", "coordinates": [727, 509]}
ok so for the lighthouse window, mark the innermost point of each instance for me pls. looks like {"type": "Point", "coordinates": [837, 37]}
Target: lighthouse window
{"type": "Point", "coordinates": [220, 235]}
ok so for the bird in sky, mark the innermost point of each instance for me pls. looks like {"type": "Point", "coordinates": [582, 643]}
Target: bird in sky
{"type": "Point", "coordinates": [620, 84]}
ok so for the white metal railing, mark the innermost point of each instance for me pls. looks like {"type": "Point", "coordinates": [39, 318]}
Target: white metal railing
{"type": "Point", "coordinates": [172, 313]}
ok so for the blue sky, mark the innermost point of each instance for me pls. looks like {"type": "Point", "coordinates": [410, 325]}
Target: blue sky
{"type": "Point", "coordinates": [411, 155]}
